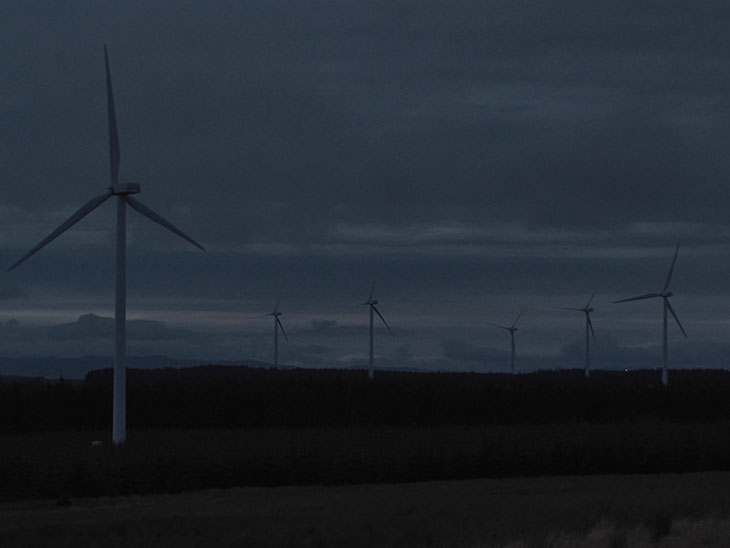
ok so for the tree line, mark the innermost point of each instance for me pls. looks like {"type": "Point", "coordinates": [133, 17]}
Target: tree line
{"type": "Point", "coordinates": [206, 397]}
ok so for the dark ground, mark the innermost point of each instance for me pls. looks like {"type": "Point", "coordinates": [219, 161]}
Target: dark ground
{"type": "Point", "coordinates": [476, 513]}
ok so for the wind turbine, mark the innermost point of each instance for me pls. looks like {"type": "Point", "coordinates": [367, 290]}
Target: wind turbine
{"type": "Point", "coordinates": [667, 306]}
{"type": "Point", "coordinates": [277, 326]}
{"type": "Point", "coordinates": [511, 330]}
{"type": "Point", "coordinates": [371, 303]}
{"type": "Point", "coordinates": [123, 193]}
{"type": "Point", "coordinates": [589, 326]}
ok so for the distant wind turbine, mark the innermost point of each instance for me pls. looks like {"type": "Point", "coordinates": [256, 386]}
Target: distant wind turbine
{"type": "Point", "coordinates": [277, 325]}
{"type": "Point", "coordinates": [511, 330]}
{"type": "Point", "coordinates": [371, 303]}
{"type": "Point", "coordinates": [667, 306]}
{"type": "Point", "coordinates": [589, 326]}
{"type": "Point", "coordinates": [123, 192]}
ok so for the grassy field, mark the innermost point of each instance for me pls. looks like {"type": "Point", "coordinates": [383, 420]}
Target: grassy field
{"type": "Point", "coordinates": [592, 511]}
{"type": "Point", "coordinates": [63, 464]}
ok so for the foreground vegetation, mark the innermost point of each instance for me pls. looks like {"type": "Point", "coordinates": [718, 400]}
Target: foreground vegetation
{"type": "Point", "coordinates": [613, 511]}
{"type": "Point", "coordinates": [64, 464]}
{"type": "Point", "coordinates": [296, 450]}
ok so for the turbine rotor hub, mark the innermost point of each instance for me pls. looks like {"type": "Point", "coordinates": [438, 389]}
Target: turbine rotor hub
{"type": "Point", "coordinates": [668, 294]}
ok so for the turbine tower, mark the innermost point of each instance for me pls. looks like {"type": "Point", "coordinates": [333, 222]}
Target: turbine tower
{"type": "Point", "coordinates": [511, 330]}
{"type": "Point", "coordinates": [371, 303]}
{"type": "Point", "coordinates": [123, 192]}
{"type": "Point", "coordinates": [277, 325]}
{"type": "Point", "coordinates": [665, 294]}
{"type": "Point", "coordinates": [589, 326]}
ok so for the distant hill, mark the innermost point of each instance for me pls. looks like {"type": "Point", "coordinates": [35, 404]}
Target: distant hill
{"type": "Point", "coordinates": [196, 373]}
{"type": "Point", "coordinates": [51, 367]}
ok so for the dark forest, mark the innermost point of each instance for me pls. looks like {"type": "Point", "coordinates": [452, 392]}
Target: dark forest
{"type": "Point", "coordinates": [208, 397]}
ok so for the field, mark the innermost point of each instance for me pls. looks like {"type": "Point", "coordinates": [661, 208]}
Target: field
{"type": "Point", "coordinates": [668, 510]}
{"type": "Point", "coordinates": [64, 464]}
{"type": "Point", "coordinates": [220, 456]}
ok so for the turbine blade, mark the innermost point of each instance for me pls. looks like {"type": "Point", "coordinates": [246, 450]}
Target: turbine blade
{"type": "Point", "coordinates": [590, 326]}
{"type": "Point", "coordinates": [87, 208]}
{"type": "Point", "coordinates": [372, 290]}
{"type": "Point", "coordinates": [113, 136]}
{"type": "Point", "coordinates": [588, 304]}
{"type": "Point", "coordinates": [147, 212]}
{"type": "Point", "coordinates": [497, 325]}
{"type": "Point", "coordinates": [671, 270]}
{"type": "Point", "coordinates": [639, 298]}
{"type": "Point", "coordinates": [276, 308]}
{"type": "Point", "coordinates": [669, 306]}
{"type": "Point", "coordinates": [381, 317]}
{"type": "Point", "coordinates": [576, 309]}
{"type": "Point", "coordinates": [278, 322]}
{"type": "Point", "coordinates": [516, 319]}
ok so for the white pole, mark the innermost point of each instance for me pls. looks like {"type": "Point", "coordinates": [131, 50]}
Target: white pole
{"type": "Point", "coordinates": [276, 343]}
{"type": "Point", "coordinates": [512, 354]}
{"type": "Point", "coordinates": [588, 352]}
{"type": "Point", "coordinates": [119, 418]}
{"type": "Point", "coordinates": [665, 380]}
{"type": "Point", "coordinates": [371, 371]}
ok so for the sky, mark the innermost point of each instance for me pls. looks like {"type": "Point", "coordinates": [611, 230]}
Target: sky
{"type": "Point", "coordinates": [477, 159]}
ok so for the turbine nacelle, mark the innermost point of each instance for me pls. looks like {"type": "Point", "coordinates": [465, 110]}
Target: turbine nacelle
{"type": "Point", "coordinates": [512, 328]}
{"type": "Point", "coordinates": [667, 295]}
{"type": "Point", "coordinates": [125, 188]}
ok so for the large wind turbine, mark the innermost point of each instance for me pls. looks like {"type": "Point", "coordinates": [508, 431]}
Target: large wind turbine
{"type": "Point", "coordinates": [371, 303]}
{"type": "Point", "coordinates": [667, 306]}
{"type": "Point", "coordinates": [589, 326]}
{"type": "Point", "coordinates": [511, 330]}
{"type": "Point", "coordinates": [123, 192]}
{"type": "Point", "coordinates": [277, 325]}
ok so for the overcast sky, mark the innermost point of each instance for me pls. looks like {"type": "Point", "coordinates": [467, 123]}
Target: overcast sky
{"type": "Point", "coordinates": [477, 158]}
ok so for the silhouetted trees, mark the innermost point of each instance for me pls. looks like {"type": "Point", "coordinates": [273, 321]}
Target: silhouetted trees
{"type": "Point", "coordinates": [240, 397]}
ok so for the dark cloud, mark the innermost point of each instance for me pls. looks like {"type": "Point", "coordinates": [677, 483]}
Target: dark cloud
{"type": "Point", "coordinates": [91, 326]}
{"type": "Point", "coordinates": [466, 352]}
{"type": "Point", "coordinates": [471, 156]}
{"type": "Point", "coordinates": [11, 291]}
{"type": "Point", "coordinates": [288, 122]}
{"type": "Point", "coordinates": [321, 326]}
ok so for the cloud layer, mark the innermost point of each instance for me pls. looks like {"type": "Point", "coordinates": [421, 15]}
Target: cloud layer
{"type": "Point", "coordinates": [475, 157]}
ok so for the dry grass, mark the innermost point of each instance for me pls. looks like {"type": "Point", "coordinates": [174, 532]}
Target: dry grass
{"type": "Point", "coordinates": [711, 532]}
{"type": "Point", "coordinates": [559, 512]}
